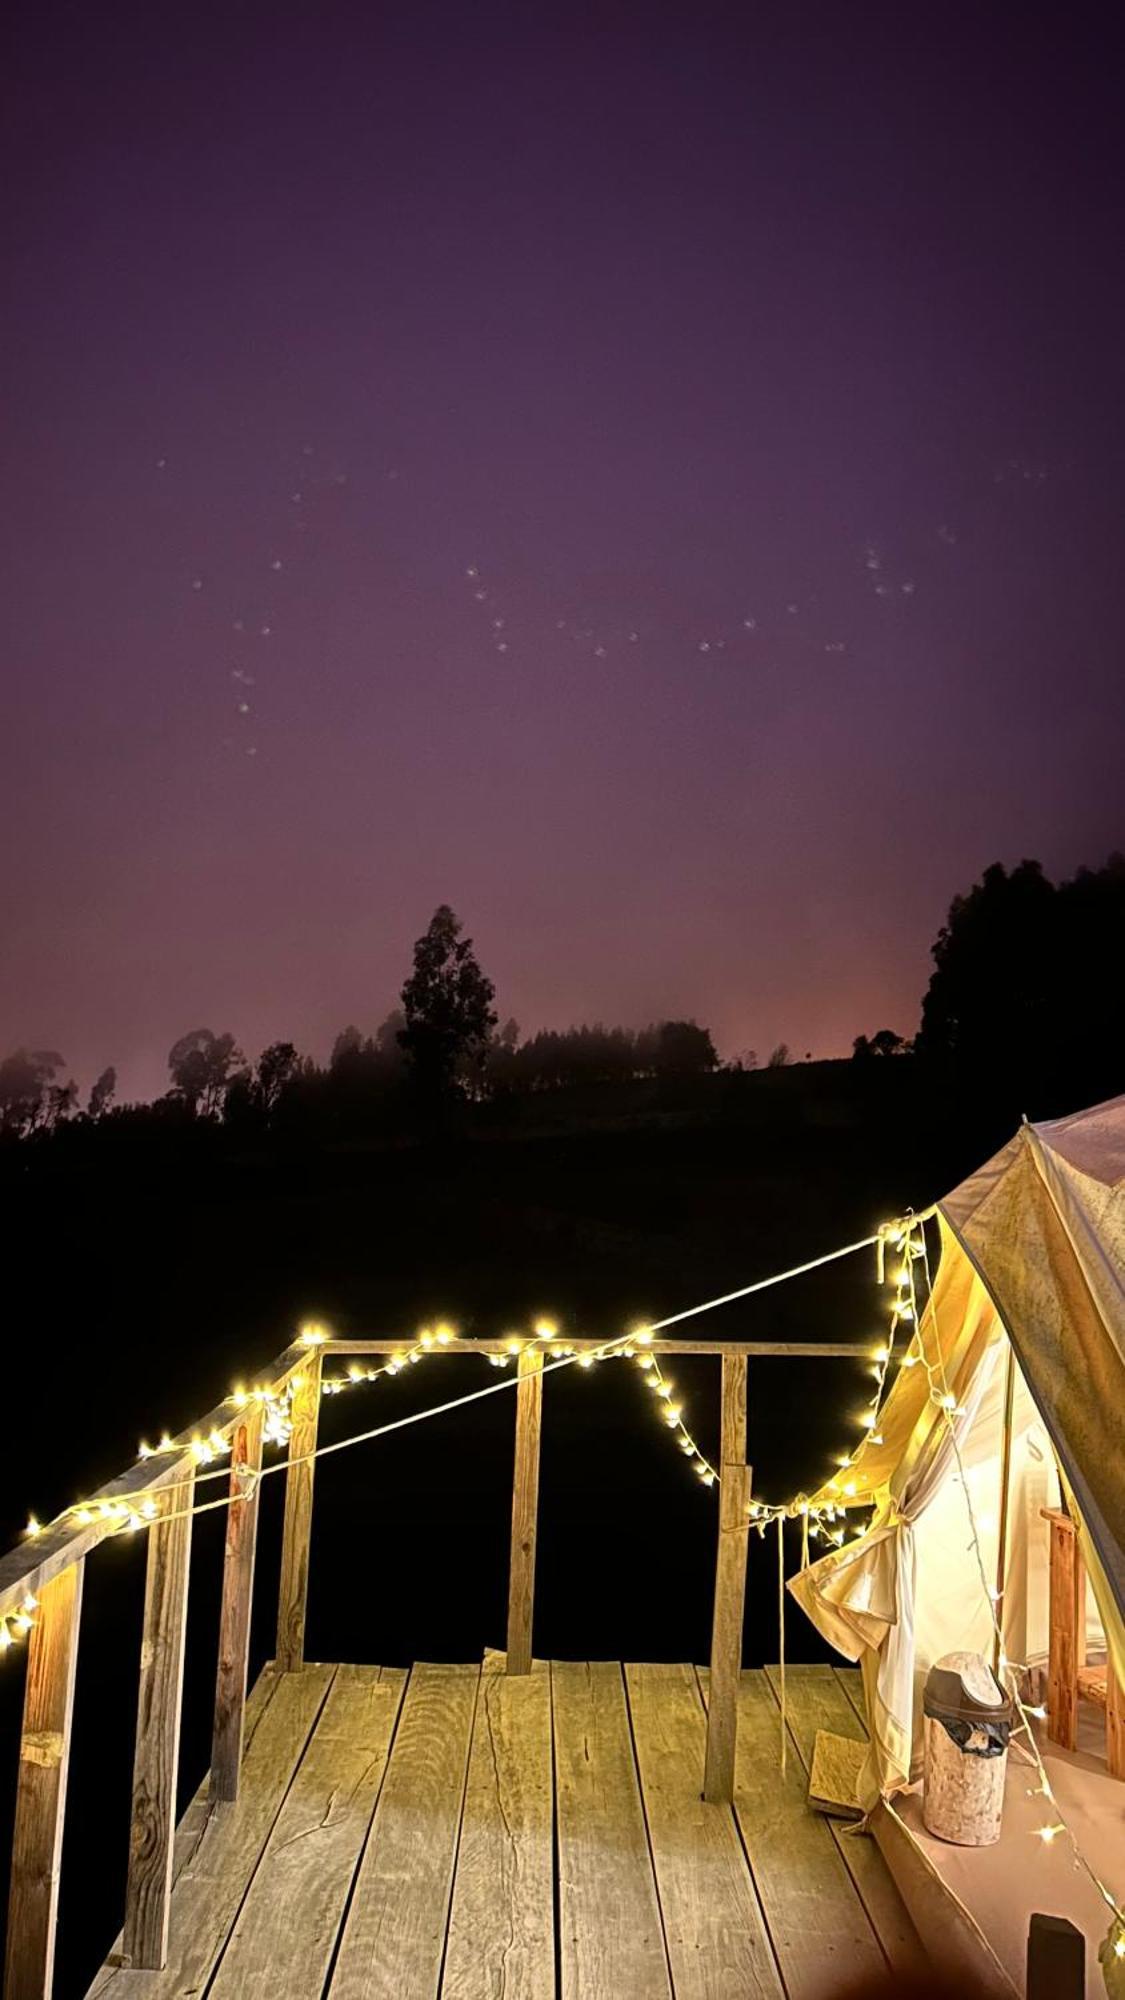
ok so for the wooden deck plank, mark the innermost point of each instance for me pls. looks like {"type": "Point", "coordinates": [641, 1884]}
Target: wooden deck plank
{"type": "Point", "coordinates": [218, 1845]}
{"type": "Point", "coordinates": [611, 1940]}
{"type": "Point", "coordinates": [394, 1936]}
{"type": "Point", "coordinates": [312, 1854]}
{"type": "Point", "coordinates": [819, 1927]}
{"type": "Point", "coordinates": [502, 1924]}
{"type": "Point", "coordinates": [718, 1945]}
{"type": "Point", "coordinates": [815, 1699]}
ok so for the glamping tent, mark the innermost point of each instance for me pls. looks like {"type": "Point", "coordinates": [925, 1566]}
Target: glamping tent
{"type": "Point", "coordinates": [1025, 1329]}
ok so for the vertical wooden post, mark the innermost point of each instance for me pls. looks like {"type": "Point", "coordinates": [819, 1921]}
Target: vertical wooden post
{"type": "Point", "coordinates": [1067, 1632]}
{"type": "Point", "coordinates": [1114, 1722]}
{"type": "Point", "coordinates": [525, 1510]}
{"type": "Point", "coordinates": [234, 1617]}
{"type": "Point", "coordinates": [48, 1705]}
{"type": "Point", "coordinates": [1056, 1960]}
{"type": "Point", "coordinates": [148, 1889]}
{"type": "Point", "coordinates": [1005, 1482]}
{"type": "Point", "coordinates": [730, 1588]}
{"type": "Point", "coordinates": [293, 1601]}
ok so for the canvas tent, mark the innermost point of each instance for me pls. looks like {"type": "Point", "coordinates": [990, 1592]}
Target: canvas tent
{"type": "Point", "coordinates": [1029, 1296]}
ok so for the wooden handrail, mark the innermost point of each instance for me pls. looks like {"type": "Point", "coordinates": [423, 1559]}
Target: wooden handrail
{"type": "Point", "coordinates": [49, 1565]}
{"type": "Point", "coordinates": [791, 1350]}
{"type": "Point", "coordinates": [65, 1540]}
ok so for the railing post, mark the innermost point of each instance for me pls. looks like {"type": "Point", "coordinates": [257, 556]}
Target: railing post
{"type": "Point", "coordinates": [148, 1889]}
{"type": "Point", "coordinates": [525, 1510]}
{"type": "Point", "coordinates": [234, 1617]}
{"type": "Point", "coordinates": [730, 1588]}
{"type": "Point", "coordinates": [305, 1414]}
{"type": "Point", "coordinates": [48, 1705]}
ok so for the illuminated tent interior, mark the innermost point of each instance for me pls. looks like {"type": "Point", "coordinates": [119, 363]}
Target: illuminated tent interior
{"type": "Point", "coordinates": [1014, 1382]}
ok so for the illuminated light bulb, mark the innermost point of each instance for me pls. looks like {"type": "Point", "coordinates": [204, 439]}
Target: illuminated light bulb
{"type": "Point", "coordinates": [586, 1360]}
{"type": "Point", "coordinates": [1049, 1833]}
{"type": "Point", "coordinates": [355, 1372]}
{"type": "Point", "coordinates": [84, 1517]}
{"type": "Point", "coordinates": [844, 1463]}
{"type": "Point", "coordinates": [904, 1309]}
{"type": "Point", "coordinates": [673, 1413]}
{"type": "Point", "coordinates": [30, 1603]}
{"type": "Point", "coordinates": [643, 1336]}
{"type": "Point", "coordinates": [646, 1361]}
{"type": "Point", "coordinates": [514, 1346]}
{"type": "Point", "coordinates": [910, 1360]}
{"type": "Point", "coordinates": [22, 1622]}
{"type": "Point", "coordinates": [850, 1488]}
{"type": "Point", "coordinates": [875, 1437]}
{"type": "Point", "coordinates": [414, 1356]}
{"type": "Point", "coordinates": [144, 1450]}
{"type": "Point", "coordinates": [881, 1354]}
{"type": "Point", "coordinates": [802, 1506]}
{"type": "Point", "coordinates": [867, 1422]}
{"type": "Point", "coordinates": [148, 1509]}
{"type": "Point", "coordinates": [425, 1338]}
{"type": "Point", "coordinates": [1040, 1712]}
{"type": "Point", "coordinates": [5, 1636]}
{"type": "Point", "coordinates": [545, 1329]}
{"type": "Point", "coordinates": [877, 1372]}
{"type": "Point", "coordinates": [218, 1442]}
{"type": "Point", "coordinates": [664, 1389]}
{"type": "Point", "coordinates": [1119, 1947]}
{"type": "Point", "coordinates": [312, 1335]}
{"type": "Point", "coordinates": [687, 1446]}
{"type": "Point", "coordinates": [33, 1526]}
{"type": "Point", "coordinates": [444, 1333]}
{"type": "Point", "coordinates": [708, 1477]}
{"type": "Point", "coordinates": [239, 1397]}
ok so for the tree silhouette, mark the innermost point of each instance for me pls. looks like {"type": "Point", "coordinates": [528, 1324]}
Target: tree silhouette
{"type": "Point", "coordinates": [447, 1002]}
{"type": "Point", "coordinates": [30, 1100]}
{"type": "Point", "coordinates": [779, 1057]}
{"type": "Point", "coordinates": [203, 1066]}
{"type": "Point", "coordinates": [101, 1094]}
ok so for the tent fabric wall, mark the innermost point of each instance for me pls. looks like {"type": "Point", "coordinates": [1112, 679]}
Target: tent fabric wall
{"type": "Point", "coordinates": [1038, 1254]}
{"type": "Point", "coordinates": [1044, 1224]}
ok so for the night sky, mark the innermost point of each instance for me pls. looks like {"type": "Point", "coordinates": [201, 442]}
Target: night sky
{"type": "Point", "coordinates": [650, 477]}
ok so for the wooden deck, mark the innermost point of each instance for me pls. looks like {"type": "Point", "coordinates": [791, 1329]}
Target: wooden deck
{"type": "Point", "coordinates": [460, 1833]}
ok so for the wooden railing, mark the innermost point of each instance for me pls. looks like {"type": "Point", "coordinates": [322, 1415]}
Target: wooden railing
{"type": "Point", "coordinates": [50, 1567]}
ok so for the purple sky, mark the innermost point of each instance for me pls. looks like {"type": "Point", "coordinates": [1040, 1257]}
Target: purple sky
{"type": "Point", "coordinates": [759, 368]}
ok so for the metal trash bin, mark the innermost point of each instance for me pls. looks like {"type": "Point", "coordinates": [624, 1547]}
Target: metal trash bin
{"type": "Point", "coordinates": [968, 1720]}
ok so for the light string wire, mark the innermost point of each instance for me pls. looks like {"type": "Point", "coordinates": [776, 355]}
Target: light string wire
{"type": "Point", "coordinates": [947, 1404]}
{"type": "Point", "coordinates": [143, 1511]}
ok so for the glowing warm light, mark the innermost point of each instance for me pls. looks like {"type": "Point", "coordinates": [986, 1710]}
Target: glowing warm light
{"type": "Point", "coordinates": [313, 1334]}
{"type": "Point", "coordinates": [545, 1329]}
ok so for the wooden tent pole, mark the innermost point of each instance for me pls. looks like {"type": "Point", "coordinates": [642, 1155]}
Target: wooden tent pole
{"type": "Point", "coordinates": [1005, 1480]}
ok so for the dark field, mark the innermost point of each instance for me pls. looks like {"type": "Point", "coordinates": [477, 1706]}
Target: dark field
{"type": "Point", "coordinates": [143, 1292]}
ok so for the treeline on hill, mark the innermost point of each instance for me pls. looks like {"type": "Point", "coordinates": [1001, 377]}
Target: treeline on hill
{"type": "Point", "coordinates": [1025, 1011]}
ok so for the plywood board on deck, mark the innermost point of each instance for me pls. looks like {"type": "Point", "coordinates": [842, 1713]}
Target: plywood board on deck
{"type": "Point", "coordinates": [611, 1941]}
{"type": "Point", "coordinates": [312, 1854]}
{"type": "Point", "coordinates": [815, 1699]}
{"type": "Point", "coordinates": [501, 1925]}
{"type": "Point", "coordinates": [820, 1930]}
{"type": "Point", "coordinates": [718, 1945]}
{"type": "Point", "coordinates": [218, 1844]}
{"type": "Point", "coordinates": [394, 1935]}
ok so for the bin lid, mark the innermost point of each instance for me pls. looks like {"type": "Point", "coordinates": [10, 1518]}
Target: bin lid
{"type": "Point", "coordinates": [962, 1687]}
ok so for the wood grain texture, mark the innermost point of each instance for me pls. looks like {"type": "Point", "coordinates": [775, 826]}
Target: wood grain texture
{"type": "Point", "coordinates": [48, 1707]}
{"type": "Point", "coordinates": [819, 1927]}
{"type": "Point", "coordinates": [501, 1925]}
{"type": "Point", "coordinates": [821, 1698]}
{"type": "Point", "coordinates": [1115, 1724]}
{"type": "Point", "coordinates": [296, 1533]}
{"type": "Point", "coordinates": [218, 1845]}
{"type": "Point", "coordinates": [156, 1760]}
{"type": "Point", "coordinates": [611, 1939]}
{"type": "Point", "coordinates": [1067, 1633]}
{"type": "Point", "coordinates": [311, 1856]}
{"type": "Point", "coordinates": [394, 1937]}
{"type": "Point", "coordinates": [718, 1946]}
{"type": "Point", "coordinates": [730, 1587]}
{"type": "Point", "coordinates": [525, 1510]}
{"type": "Point", "coordinates": [237, 1602]}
